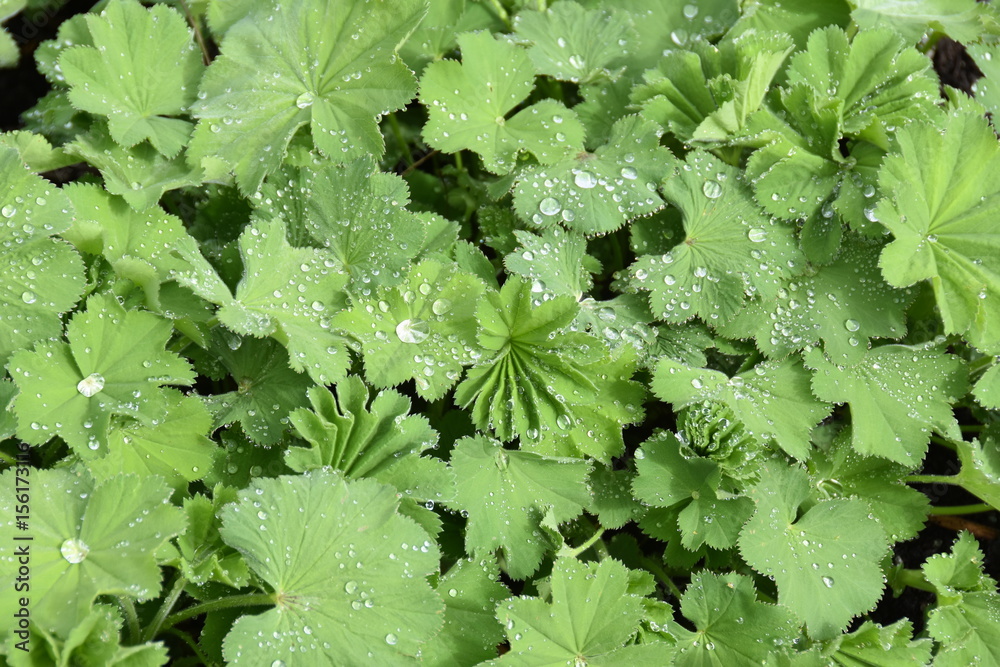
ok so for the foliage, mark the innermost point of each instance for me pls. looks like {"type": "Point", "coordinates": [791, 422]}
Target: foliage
{"type": "Point", "coordinates": [500, 332]}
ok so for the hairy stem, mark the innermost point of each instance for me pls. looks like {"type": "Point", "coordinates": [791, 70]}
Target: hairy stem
{"type": "Point", "coordinates": [131, 618]}
{"type": "Point", "coordinates": [248, 600]}
{"type": "Point", "coordinates": [168, 605]}
{"type": "Point", "coordinates": [962, 509]}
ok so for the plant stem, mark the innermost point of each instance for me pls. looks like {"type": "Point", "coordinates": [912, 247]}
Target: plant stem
{"type": "Point", "coordinates": [938, 440]}
{"type": "Point", "coordinates": [192, 644]}
{"type": "Point", "coordinates": [198, 37]}
{"type": "Point", "coordinates": [420, 161]}
{"type": "Point", "coordinates": [930, 479]}
{"type": "Point", "coordinates": [972, 428]}
{"type": "Point", "coordinates": [573, 553]}
{"type": "Point", "coordinates": [914, 579]}
{"type": "Point", "coordinates": [981, 364]}
{"type": "Point", "coordinates": [131, 618]}
{"type": "Point", "coordinates": [7, 458]}
{"type": "Point", "coordinates": [501, 12]}
{"type": "Point", "coordinates": [248, 600]}
{"type": "Point", "coordinates": [169, 601]}
{"type": "Point", "coordinates": [661, 574]}
{"type": "Point", "coordinates": [962, 509]}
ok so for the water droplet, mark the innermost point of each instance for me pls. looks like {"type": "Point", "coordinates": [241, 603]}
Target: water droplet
{"type": "Point", "coordinates": [441, 306]}
{"type": "Point", "coordinates": [74, 550]}
{"type": "Point", "coordinates": [585, 180]}
{"type": "Point", "coordinates": [712, 189]}
{"type": "Point", "coordinates": [8, 211]}
{"type": "Point", "coordinates": [412, 331]}
{"type": "Point", "coordinates": [391, 639]}
{"type": "Point", "coordinates": [549, 206]}
{"type": "Point", "coordinates": [852, 325]}
{"type": "Point", "coordinates": [91, 384]}
{"type": "Point", "coordinates": [304, 101]}
{"type": "Point", "coordinates": [563, 422]}
{"type": "Point", "coordinates": [828, 582]}
{"type": "Point", "coordinates": [629, 173]}
{"type": "Point", "coordinates": [756, 235]}
{"type": "Point", "coordinates": [28, 297]}
{"type": "Point", "coordinates": [669, 279]}
{"type": "Point", "coordinates": [696, 383]}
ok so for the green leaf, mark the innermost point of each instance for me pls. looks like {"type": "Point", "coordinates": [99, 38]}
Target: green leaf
{"type": "Point", "coordinates": [873, 644]}
{"type": "Point", "coordinates": [40, 277]}
{"type": "Point", "coordinates": [176, 447]}
{"type": "Point", "coordinates": [469, 106]}
{"type": "Point", "coordinates": [824, 558]}
{"type": "Point", "coordinates": [422, 330]}
{"type": "Point", "coordinates": [35, 150]}
{"type": "Point", "coordinates": [348, 573]}
{"type": "Point", "coordinates": [140, 174]}
{"type": "Point", "coordinates": [113, 364]}
{"type": "Point", "coordinates": [873, 75]}
{"type": "Point", "coordinates": [987, 388]}
{"type": "Point", "coordinates": [87, 540]}
{"type": "Point", "coordinates": [798, 18]}
{"type": "Point", "coordinates": [665, 478]}
{"type": "Point", "coordinates": [507, 493]}
{"type": "Point", "coordinates": [613, 503]}
{"type": "Point", "coordinates": [959, 19]}
{"type": "Point", "coordinates": [980, 473]}
{"type": "Point", "coordinates": [773, 400]}
{"type": "Point", "coordinates": [552, 261]}
{"type": "Point", "coordinates": [471, 633]}
{"type": "Point", "coordinates": [730, 247]}
{"type": "Point", "coordinates": [987, 59]}
{"type": "Point", "coordinates": [289, 67]}
{"type": "Point", "coordinates": [267, 389]}
{"type": "Point", "coordinates": [964, 620]}
{"type": "Point", "coordinates": [204, 556]}
{"type": "Point", "coordinates": [381, 440]}
{"type": "Point", "coordinates": [570, 43]}
{"type": "Point", "coordinates": [840, 472]}
{"type": "Point", "coordinates": [843, 304]}
{"type": "Point", "coordinates": [731, 627]}
{"type": "Point", "coordinates": [707, 94]}
{"type": "Point", "coordinates": [360, 215]}
{"type": "Point", "coordinates": [143, 67]}
{"type": "Point", "coordinates": [596, 193]}
{"type": "Point", "coordinates": [519, 387]}
{"type": "Point", "coordinates": [287, 293]}
{"type": "Point", "coordinates": [943, 186]}
{"type": "Point", "coordinates": [897, 395]}
{"type": "Point", "coordinates": [589, 619]}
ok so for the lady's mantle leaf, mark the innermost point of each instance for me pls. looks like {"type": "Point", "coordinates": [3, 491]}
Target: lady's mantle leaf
{"type": "Point", "coordinates": [114, 363]}
{"type": "Point", "coordinates": [327, 63]}
{"type": "Point", "coordinates": [730, 247]}
{"type": "Point", "coordinates": [381, 440]}
{"type": "Point", "coordinates": [959, 19]}
{"type": "Point", "coordinates": [731, 626]}
{"type": "Point", "coordinates": [142, 67]}
{"type": "Point", "coordinates": [825, 559]}
{"type": "Point", "coordinates": [469, 106]}
{"type": "Point", "coordinates": [40, 277]}
{"type": "Point", "coordinates": [287, 293]}
{"type": "Point", "coordinates": [423, 330]}
{"type": "Point", "coordinates": [596, 193]}
{"type": "Point", "coordinates": [88, 540]}
{"type": "Point", "coordinates": [507, 493]}
{"type": "Point", "coordinates": [897, 395]}
{"type": "Point", "coordinates": [588, 621]}
{"type": "Point", "coordinates": [943, 192]}
{"type": "Point", "coordinates": [773, 400]}
{"type": "Point", "coordinates": [964, 620]}
{"type": "Point", "coordinates": [348, 573]}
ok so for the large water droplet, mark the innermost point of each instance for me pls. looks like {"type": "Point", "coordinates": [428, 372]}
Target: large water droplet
{"type": "Point", "coordinates": [28, 297]}
{"type": "Point", "coordinates": [549, 206]}
{"type": "Point", "coordinates": [413, 331]}
{"type": "Point", "coordinates": [563, 422]}
{"type": "Point", "coordinates": [712, 189]}
{"type": "Point", "coordinates": [391, 639]}
{"type": "Point", "coordinates": [756, 235]}
{"type": "Point", "coordinates": [91, 384]}
{"type": "Point", "coordinates": [304, 101]}
{"type": "Point", "coordinates": [828, 582]}
{"type": "Point", "coordinates": [8, 211]}
{"type": "Point", "coordinates": [585, 180]}
{"type": "Point", "coordinates": [441, 306]}
{"type": "Point", "coordinates": [74, 550]}
{"type": "Point", "coordinates": [852, 325]}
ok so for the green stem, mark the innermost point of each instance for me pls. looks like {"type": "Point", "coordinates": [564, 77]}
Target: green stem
{"type": "Point", "coordinates": [938, 440]}
{"type": "Point", "coordinates": [573, 553]}
{"type": "Point", "coordinates": [248, 600]}
{"type": "Point", "coordinates": [930, 479]}
{"type": "Point", "coordinates": [397, 132]}
{"type": "Point", "coordinates": [131, 618]}
{"type": "Point", "coordinates": [458, 161]}
{"type": "Point", "coordinates": [7, 458]}
{"type": "Point", "coordinates": [914, 579]}
{"type": "Point", "coordinates": [192, 644]}
{"type": "Point", "coordinates": [962, 509]}
{"type": "Point", "coordinates": [662, 575]}
{"type": "Point", "coordinates": [973, 428]}
{"type": "Point", "coordinates": [169, 601]}
{"type": "Point", "coordinates": [501, 12]}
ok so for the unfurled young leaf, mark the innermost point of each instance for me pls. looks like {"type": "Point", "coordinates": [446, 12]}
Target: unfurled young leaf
{"type": "Point", "coordinates": [706, 95]}
{"type": "Point", "coordinates": [596, 193]}
{"type": "Point", "coordinates": [348, 572]}
{"type": "Point", "coordinates": [381, 441]}
{"type": "Point", "coordinates": [570, 43]}
{"type": "Point", "coordinates": [590, 618]}
{"type": "Point", "coordinates": [729, 247]}
{"type": "Point", "coordinates": [964, 620]}
{"type": "Point", "coordinates": [942, 186]}
{"type": "Point", "coordinates": [506, 493]}
{"type": "Point", "coordinates": [824, 557]}
{"type": "Point", "coordinates": [290, 294]}
{"type": "Point", "coordinates": [471, 104]}
{"type": "Point", "coordinates": [113, 364]}
{"type": "Point", "coordinates": [88, 540]}
{"type": "Point", "coordinates": [327, 64]}
{"type": "Point", "coordinates": [897, 395]}
{"type": "Point", "coordinates": [423, 330]}
{"type": "Point", "coordinates": [40, 277]}
{"type": "Point", "coordinates": [142, 69]}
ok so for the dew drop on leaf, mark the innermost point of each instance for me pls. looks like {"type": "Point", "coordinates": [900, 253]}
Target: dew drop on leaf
{"type": "Point", "coordinates": [412, 331]}
{"type": "Point", "coordinates": [712, 189]}
{"type": "Point", "coordinates": [585, 180]}
{"type": "Point", "coordinates": [74, 550]}
{"type": "Point", "coordinates": [91, 384]}
{"type": "Point", "coordinates": [549, 206]}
